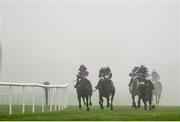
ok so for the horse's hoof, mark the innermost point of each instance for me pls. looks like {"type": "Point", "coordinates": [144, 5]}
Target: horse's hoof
{"type": "Point", "coordinates": [88, 109]}
{"type": "Point", "coordinates": [102, 107]}
{"type": "Point", "coordinates": [111, 108]}
{"type": "Point", "coordinates": [90, 104]}
{"type": "Point", "coordinates": [153, 106]}
{"type": "Point", "coordinates": [107, 105]}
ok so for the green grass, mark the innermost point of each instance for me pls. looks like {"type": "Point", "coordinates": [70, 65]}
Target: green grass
{"type": "Point", "coordinates": [72, 113]}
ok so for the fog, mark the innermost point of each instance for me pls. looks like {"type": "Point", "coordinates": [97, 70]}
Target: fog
{"type": "Point", "coordinates": [47, 40]}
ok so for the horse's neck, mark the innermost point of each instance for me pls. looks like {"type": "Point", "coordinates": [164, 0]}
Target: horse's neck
{"type": "Point", "coordinates": [155, 82]}
{"type": "Point", "coordinates": [155, 78]}
{"type": "Point", "coordinates": [135, 84]}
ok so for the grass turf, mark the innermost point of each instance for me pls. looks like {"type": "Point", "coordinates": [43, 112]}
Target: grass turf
{"type": "Point", "coordinates": [72, 113]}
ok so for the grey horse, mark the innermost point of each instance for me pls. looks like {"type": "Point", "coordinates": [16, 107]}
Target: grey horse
{"type": "Point", "coordinates": [133, 89]}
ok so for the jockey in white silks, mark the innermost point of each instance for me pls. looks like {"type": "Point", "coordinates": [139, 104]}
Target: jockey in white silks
{"type": "Point", "coordinates": [155, 76]}
{"type": "Point", "coordinates": [157, 85]}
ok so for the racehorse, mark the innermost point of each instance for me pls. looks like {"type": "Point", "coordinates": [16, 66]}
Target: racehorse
{"type": "Point", "coordinates": [145, 93]}
{"type": "Point", "coordinates": [133, 89]}
{"type": "Point", "coordinates": [157, 91]}
{"type": "Point", "coordinates": [84, 90]}
{"type": "Point", "coordinates": [106, 89]}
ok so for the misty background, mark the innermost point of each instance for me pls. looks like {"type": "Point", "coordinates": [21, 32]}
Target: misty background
{"type": "Point", "coordinates": [47, 40]}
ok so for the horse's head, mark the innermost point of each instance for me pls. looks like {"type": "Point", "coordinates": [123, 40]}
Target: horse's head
{"type": "Point", "coordinates": [141, 87]}
{"type": "Point", "coordinates": [79, 79]}
{"type": "Point", "coordinates": [149, 85]}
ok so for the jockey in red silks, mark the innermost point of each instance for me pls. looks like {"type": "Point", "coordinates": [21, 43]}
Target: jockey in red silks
{"type": "Point", "coordinates": [82, 73]}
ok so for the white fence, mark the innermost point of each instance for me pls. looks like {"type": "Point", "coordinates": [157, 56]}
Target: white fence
{"type": "Point", "coordinates": [57, 95]}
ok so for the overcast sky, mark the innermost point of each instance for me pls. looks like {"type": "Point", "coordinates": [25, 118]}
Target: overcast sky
{"type": "Point", "coordinates": [47, 41]}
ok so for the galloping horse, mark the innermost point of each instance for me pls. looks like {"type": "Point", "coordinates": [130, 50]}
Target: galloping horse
{"type": "Point", "coordinates": [106, 89]}
{"type": "Point", "coordinates": [157, 85]}
{"type": "Point", "coordinates": [146, 92]}
{"type": "Point", "coordinates": [133, 89]}
{"type": "Point", "coordinates": [157, 91]}
{"type": "Point", "coordinates": [84, 91]}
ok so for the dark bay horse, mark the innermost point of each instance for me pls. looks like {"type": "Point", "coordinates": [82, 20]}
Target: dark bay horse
{"type": "Point", "coordinates": [84, 90]}
{"type": "Point", "coordinates": [106, 89]}
{"type": "Point", "coordinates": [146, 92]}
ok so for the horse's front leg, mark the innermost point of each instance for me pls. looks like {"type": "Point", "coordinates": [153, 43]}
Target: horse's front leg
{"type": "Point", "coordinates": [158, 99]}
{"type": "Point", "coordinates": [139, 101]}
{"type": "Point", "coordinates": [112, 98]}
{"type": "Point", "coordinates": [84, 100]}
{"type": "Point", "coordinates": [90, 103]}
{"type": "Point", "coordinates": [79, 100]}
{"type": "Point", "coordinates": [101, 102]}
{"type": "Point", "coordinates": [87, 103]}
{"type": "Point", "coordinates": [145, 104]}
{"type": "Point", "coordinates": [107, 98]}
{"type": "Point", "coordinates": [134, 103]}
{"type": "Point", "coordinates": [150, 102]}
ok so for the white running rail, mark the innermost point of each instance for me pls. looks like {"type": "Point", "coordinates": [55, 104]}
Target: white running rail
{"type": "Point", "coordinates": [59, 101]}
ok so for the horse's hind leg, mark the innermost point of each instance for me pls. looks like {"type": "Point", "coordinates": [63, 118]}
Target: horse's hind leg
{"type": "Point", "coordinates": [87, 103]}
{"type": "Point", "coordinates": [79, 100]}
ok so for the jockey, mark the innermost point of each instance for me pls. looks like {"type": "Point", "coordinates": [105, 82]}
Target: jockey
{"type": "Point", "coordinates": [155, 76]}
{"type": "Point", "coordinates": [105, 72]}
{"type": "Point", "coordinates": [143, 76]}
{"type": "Point", "coordinates": [82, 73]}
{"type": "Point", "coordinates": [143, 72]}
{"type": "Point", "coordinates": [133, 73]}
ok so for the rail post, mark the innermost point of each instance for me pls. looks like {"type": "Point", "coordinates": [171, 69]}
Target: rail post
{"type": "Point", "coordinates": [10, 100]}
{"type": "Point", "coordinates": [23, 103]}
